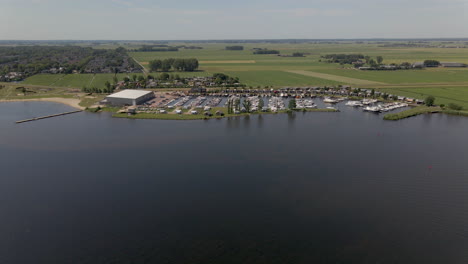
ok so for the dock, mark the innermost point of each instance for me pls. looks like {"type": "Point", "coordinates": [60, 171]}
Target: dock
{"type": "Point", "coordinates": [49, 116]}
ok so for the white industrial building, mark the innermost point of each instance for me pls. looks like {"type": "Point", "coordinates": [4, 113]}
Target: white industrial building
{"type": "Point", "coordinates": [129, 97]}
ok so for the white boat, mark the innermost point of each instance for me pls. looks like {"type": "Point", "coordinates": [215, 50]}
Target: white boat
{"type": "Point", "coordinates": [374, 109]}
{"type": "Point", "coordinates": [329, 100]}
{"type": "Point", "coordinates": [369, 101]}
{"type": "Point", "coordinates": [354, 103]}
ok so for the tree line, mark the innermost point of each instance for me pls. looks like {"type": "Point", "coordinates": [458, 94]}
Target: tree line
{"type": "Point", "coordinates": [149, 48]}
{"type": "Point", "coordinates": [174, 64]}
{"type": "Point", "coordinates": [265, 51]}
{"type": "Point", "coordinates": [235, 48]}
{"type": "Point", "coordinates": [343, 58]}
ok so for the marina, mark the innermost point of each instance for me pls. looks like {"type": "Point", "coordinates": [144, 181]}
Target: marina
{"type": "Point", "coordinates": [209, 104]}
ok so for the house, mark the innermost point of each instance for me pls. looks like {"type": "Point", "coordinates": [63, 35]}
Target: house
{"type": "Point", "coordinates": [418, 65]}
{"type": "Point", "coordinates": [452, 65]}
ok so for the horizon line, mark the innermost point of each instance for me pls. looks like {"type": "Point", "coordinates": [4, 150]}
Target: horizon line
{"type": "Point", "coordinates": [249, 39]}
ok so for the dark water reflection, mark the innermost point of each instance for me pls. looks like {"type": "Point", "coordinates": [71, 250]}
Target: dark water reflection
{"type": "Point", "coordinates": [302, 188]}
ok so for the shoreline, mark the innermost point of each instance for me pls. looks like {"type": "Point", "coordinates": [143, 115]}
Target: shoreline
{"type": "Point", "coordinates": [185, 117]}
{"type": "Point", "coordinates": [75, 103]}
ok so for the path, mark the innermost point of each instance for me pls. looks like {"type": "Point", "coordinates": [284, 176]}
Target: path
{"type": "Point", "coordinates": [145, 71]}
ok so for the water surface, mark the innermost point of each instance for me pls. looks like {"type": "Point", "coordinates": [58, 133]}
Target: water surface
{"type": "Point", "coordinates": [343, 187]}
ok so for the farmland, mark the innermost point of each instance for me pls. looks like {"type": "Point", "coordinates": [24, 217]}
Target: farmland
{"type": "Point", "coordinates": [446, 84]}
{"type": "Point", "coordinates": [213, 58]}
{"type": "Point", "coordinates": [443, 95]}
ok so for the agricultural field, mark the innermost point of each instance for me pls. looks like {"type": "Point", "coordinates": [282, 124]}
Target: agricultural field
{"type": "Point", "coordinates": [446, 84]}
{"type": "Point", "coordinates": [213, 58]}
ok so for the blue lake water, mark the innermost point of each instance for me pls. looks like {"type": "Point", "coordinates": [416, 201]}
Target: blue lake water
{"type": "Point", "coordinates": [343, 187]}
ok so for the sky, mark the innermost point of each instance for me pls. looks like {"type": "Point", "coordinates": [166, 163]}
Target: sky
{"type": "Point", "coordinates": [233, 19]}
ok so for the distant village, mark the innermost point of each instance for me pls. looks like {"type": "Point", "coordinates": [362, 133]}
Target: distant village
{"type": "Point", "coordinates": [18, 63]}
{"type": "Point", "coordinates": [166, 80]}
{"type": "Point", "coordinates": [416, 65]}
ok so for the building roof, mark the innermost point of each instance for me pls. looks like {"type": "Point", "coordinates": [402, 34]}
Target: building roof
{"type": "Point", "coordinates": [129, 94]}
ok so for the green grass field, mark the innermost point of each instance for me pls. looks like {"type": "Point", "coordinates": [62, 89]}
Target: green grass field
{"type": "Point", "coordinates": [412, 112]}
{"type": "Point", "coordinates": [443, 95]}
{"type": "Point", "coordinates": [10, 92]}
{"type": "Point", "coordinates": [74, 80]}
{"type": "Point", "coordinates": [434, 75]}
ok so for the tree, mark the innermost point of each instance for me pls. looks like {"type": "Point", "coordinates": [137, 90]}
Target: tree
{"type": "Point", "coordinates": [406, 65]}
{"type": "Point", "coordinates": [367, 58]}
{"type": "Point", "coordinates": [385, 96]}
{"type": "Point", "coordinates": [379, 59]}
{"type": "Point", "coordinates": [429, 101]}
{"type": "Point", "coordinates": [155, 65]}
{"type": "Point", "coordinates": [108, 85]}
{"type": "Point", "coordinates": [229, 106]}
{"type": "Point", "coordinates": [192, 64]}
{"type": "Point", "coordinates": [237, 103]}
{"type": "Point", "coordinates": [372, 63]}
{"type": "Point", "coordinates": [166, 65]}
{"type": "Point", "coordinates": [261, 103]}
{"type": "Point", "coordinates": [247, 105]}
{"type": "Point", "coordinates": [372, 92]}
{"type": "Point", "coordinates": [292, 104]}
{"type": "Point", "coordinates": [134, 77]}
{"type": "Point", "coordinates": [164, 76]}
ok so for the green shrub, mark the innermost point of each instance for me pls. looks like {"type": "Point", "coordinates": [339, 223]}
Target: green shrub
{"type": "Point", "coordinates": [455, 107]}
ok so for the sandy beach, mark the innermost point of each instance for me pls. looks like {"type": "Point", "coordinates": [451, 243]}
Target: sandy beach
{"type": "Point", "coordinates": [68, 101]}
